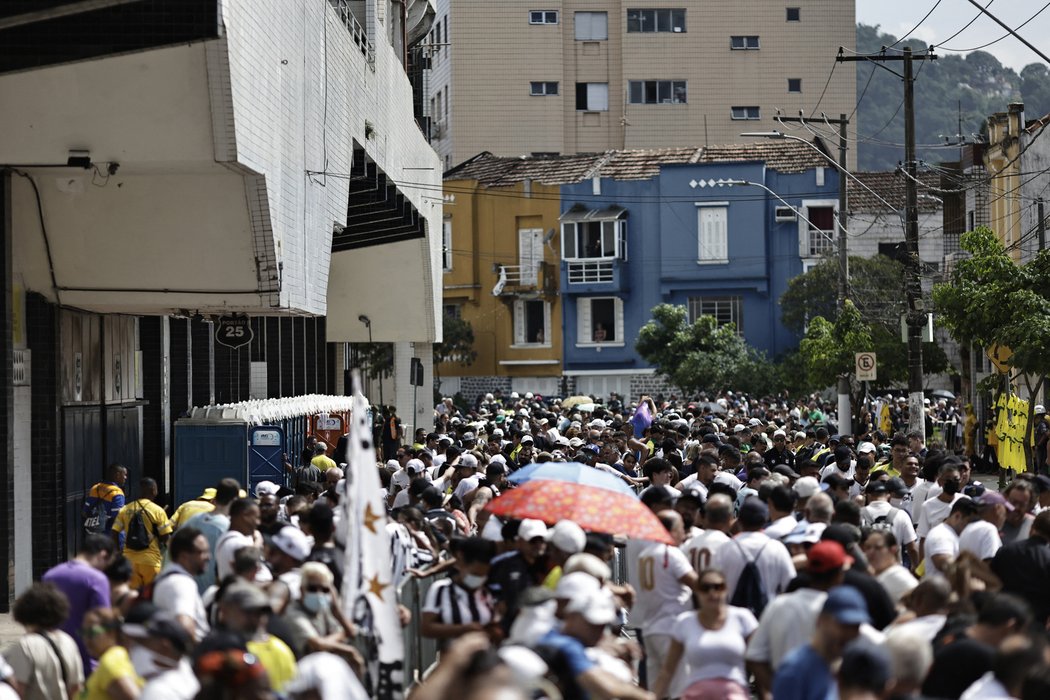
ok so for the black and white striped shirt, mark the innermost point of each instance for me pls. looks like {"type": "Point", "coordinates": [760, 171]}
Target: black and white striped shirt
{"type": "Point", "coordinates": [456, 605]}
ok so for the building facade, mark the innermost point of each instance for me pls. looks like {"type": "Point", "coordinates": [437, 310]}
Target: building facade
{"type": "Point", "coordinates": [579, 76]}
{"type": "Point", "coordinates": [171, 175]}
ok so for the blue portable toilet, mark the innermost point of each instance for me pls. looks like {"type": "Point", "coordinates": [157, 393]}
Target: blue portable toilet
{"type": "Point", "coordinates": [248, 441]}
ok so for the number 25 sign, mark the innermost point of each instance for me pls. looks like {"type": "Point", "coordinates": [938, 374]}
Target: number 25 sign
{"type": "Point", "coordinates": [234, 332]}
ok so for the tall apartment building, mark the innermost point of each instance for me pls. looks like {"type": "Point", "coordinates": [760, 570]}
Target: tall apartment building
{"type": "Point", "coordinates": [575, 76]}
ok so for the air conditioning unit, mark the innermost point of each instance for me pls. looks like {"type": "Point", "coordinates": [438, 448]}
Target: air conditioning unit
{"type": "Point", "coordinates": [785, 214]}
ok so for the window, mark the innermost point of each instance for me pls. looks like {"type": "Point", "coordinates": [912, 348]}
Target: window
{"type": "Point", "coordinates": [724, 309]}
{"type": "Point", "coordinates": [532, 322]}
{"type": "Point", "coordinates": [745, 113]}
{"type": "Point", "coordinates": [594, 240]}
{"type": "Point", "coordinates": [599, 321]}
{"type": "Point", "coordinates": [652, 92]}
{"type": "Point", "coordinates": [661, 20]}
{"type": "Point", "coordinates": [446, 245]}
{"type": "Point", "coordinates": [743, 42]}
{"type": "Point", "coordinates": [817, 235]}
{"type": "Point", "coordinates": [592, 26]}
{"type": "Point", "coordinates": [794, 84]}
{"type": "Point", "coordinates": [794, 14]}
{"type": "Point", "coordinates": [712, 234]}
{"type": "Point", "coordinates": [452, 310]}
{"type": "Point", "coordinates": [541, 88]}
{"type": "Point", "coordinates": [543, 16]}
{"type": "Point", "coordinates": [592, 97]}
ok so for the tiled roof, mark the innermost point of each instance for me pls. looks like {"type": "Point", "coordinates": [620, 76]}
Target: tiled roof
{"type": "Point", "coordinates": [890, 186]}
{"type": "Point", "coordinates": [499, 171]}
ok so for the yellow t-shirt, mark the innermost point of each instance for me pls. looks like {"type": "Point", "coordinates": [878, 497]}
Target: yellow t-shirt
{"type": "Point", "coordinates": [157, 524]}
{"type": "Point", "coordinates": [188, 509]}
{"type": "Point", "coordinates": [114, 665]}
{"type": "Point", "coordinates": [552, 578]}
{"type": "Point", "coordinates": [278, 660]}
{"type": "Point", "coordinates": [323, 462]}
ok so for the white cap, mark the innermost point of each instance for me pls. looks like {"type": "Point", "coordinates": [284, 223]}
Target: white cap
{"type": "Point", "coordinates": [575, 442]}
{"type": "Point", "coordinates": [575, 585]}
{"type": "Point", "coordinates": [528, 395]}
{"type": "Point", "coordinates": [806, 486]}
{"type": "Point", "coordinates": [865, 448]}
{"type": "Point", "coordinates": [498, 432]}
{"type": "Point", "coordinates": [597, 423]}
{"type": "Point", "coordinates": [468, 461]}
{"type": "Point", "coordinates": [531, 529]}
{"type": "Point", "coordinates": [293, 542]}
{"type": "Point", "coordinates": [1039, 408]}
{"type": "Point", "coordinates": [568, 537]}
{"type": "Point", "coordinates": [588, 563]}
{"type": "Point", "coordinates": [779, 433]}
{"type": "Point", "coordinates": [264, 488]}
{"type": "Point", "coordinates": [597, 608]}
{"type": "Point", "coordinates": [498, 459]}
{"type": "Point", "coordinates": [414, 465]}
{"type": "Point", "coordinates": [805, 534]}
{"type": "Point", "coordinates": [393, 464]}
{"type": "Point", "coordinates": [527, 438]}
{"type": "Point", "coordinates": [739, 428]}
{"type": "Point", "coordinates": [513, 394]}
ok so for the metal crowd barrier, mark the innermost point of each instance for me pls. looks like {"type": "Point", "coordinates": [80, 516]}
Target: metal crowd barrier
{"type": "Point", "coordinates": [420, 653]}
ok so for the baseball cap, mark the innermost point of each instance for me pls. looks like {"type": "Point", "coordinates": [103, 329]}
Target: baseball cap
{"type": "Point", "coordinates": [531, 529]}
{"type": "Point", "coordinates": [993, 498]}
{"type": "Point", "coordinates": [800, 435]}
{"type": "Point", "coordinates": [753, 512]}
{"type": "Point", "coordinates": [868, 665]}
{"type": "Point", "coordinates": [568, 537]}
{"type": "Point", "coordinates": [754, 422]}
{"type": "Point", "coordinates": [293, 542]}
{"type": "Point", "coordinates": [877, 487]}
{"type": "Point", "coordinates": [161, 625]}
{"type": "Point", "coordinates": [597, 423]}
{"type": "Point", "coordinates": [527, 439]}
{"type": "Point", "coordinates": [897, 487]}
{"type": "Point", "coordinates": [265, 488]}
{"type": "Point", "coordinates": [779, 433]}
{"type": "Point", "coordinates": [806, 486]}
{"type": "Point", "coordinates": [738, 428]}
{"type": "Point", "coordinates": [786, 471]}
{"type": "Point", "coordinates": [1039, 408]}
{"type": "Point", "coordinates": [468, 437]}
{"type": "Point", "coordinates": [846, 605]}
{"type": "Point", "coordinates": [246, 596]}
{"type": "Point", "coordinates": [575, 442]}
{"type": "Point", "coordinates": [843, 452]}
{"type": "Point", "coordinates": [866, 448]}
{"type": "Point", "coordinates": [209, 494]}
{"type": "Point", "coordinates": [576, 585]}
{"type": "Point", "coordinates": [467, 461]}
{"type": "Point", "coordinates": [597, 607]}
{"type": "Point", "coordinates": [1042, 483]}
{"type": "Point", "coordinates": [589, 564]}
{"type": "Point", "coordinates": [498, 459]}
{"type": "Point", "coordinates": [445, 439]}
{"type": "Point", "coordinates": [805, 534]}
{"type": "Point", "coordinates": [414, 465]}
{"type": "Point", "coordinates": [827, 555]}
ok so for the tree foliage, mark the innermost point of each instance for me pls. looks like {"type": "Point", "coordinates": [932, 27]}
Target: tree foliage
{"type": "Point", "coordinates": [701, 356]}
{"type": "Point", "coordinates": [377, 358]}
{"type": "Point", "coordinates": [952, 89]}
{"type": "Point", "coordinates": [989, 300]}
{"type": "Point", "coordinates": [877, 292]}
{"type": "Point", "coordinates": [457, 343]}
{"type": "Point", "coordinates": [829, 349]}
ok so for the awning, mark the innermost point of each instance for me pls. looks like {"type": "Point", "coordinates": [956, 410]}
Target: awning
{"type": "Point", "coordinates": [581, 213]}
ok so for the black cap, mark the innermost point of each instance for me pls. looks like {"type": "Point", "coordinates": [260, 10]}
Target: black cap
{"type": "Point", "coordinates": [786, 471]}
{"type": "Point", "coordinates": [843, 452]}
{"type": "Point", "coordinates": [877, 487]}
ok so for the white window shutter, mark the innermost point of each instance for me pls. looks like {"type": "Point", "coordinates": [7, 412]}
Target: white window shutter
{"type": "Point", "coordinates": [530, 253]}
{"type": "Point", "coordinates": [803, 232]}
{"type": "Point", "coordinates": [598, 97]}
{"type": "Point", "coordinates": [519, 322]}
{"type": "Point", "coordinates": [720, 242]}
{"type": "Point", "coordinates": [583, 321]}
{"type": "Point", "coordinates": [537, 253]}
{"type": "Point", "coordinates": [618, 305]}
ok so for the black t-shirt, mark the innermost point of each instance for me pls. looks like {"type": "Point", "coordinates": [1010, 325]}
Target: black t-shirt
{"type": "Point", "coordinates": [508, 578]}
{"type": "Point", "coordinates": [1024, 568]}
{"type": "Point", "coordinates": [880, 605]}
{"type": "Point", "coordinates": [956, 667]}
{"type": "Point", "coordinates": [327, 556]}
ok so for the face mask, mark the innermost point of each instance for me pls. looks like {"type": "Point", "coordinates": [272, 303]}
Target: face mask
{"type": "Point", "coordinates": [951, 487]}
{"type": "Point", "coordinates": [471, 581]}
{"type": "Point", "coordinates": [147, 662]}
{"type": "Point", "coordinates": [315, 602]}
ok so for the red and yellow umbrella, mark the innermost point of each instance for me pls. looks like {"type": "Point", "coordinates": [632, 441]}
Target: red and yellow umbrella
{"type": "Point", "coordinates": [593, 508]}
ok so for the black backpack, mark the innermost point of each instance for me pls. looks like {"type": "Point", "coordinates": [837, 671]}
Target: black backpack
{"type": "Point", "coordinates": [137, 537]}
{"type": "Point", "coordinates": [883, 523]}
{"type": "Point", "coordinates": [749, 592]}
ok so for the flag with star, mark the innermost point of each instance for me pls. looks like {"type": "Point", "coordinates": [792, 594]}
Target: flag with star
{"type": "Point", "coordinates": [368, 591]}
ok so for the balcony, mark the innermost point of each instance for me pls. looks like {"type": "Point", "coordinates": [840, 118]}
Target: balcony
{"type": "Point", "coordinates": [587, 276]}
{"type": "Point", "coordinates": [514, 280]}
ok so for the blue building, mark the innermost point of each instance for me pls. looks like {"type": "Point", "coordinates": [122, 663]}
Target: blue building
{"type": "Point", "coordinates": [663, 226]}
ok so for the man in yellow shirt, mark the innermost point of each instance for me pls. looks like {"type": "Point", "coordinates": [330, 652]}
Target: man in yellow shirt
{"type": "Point", "coordinates": [142, 545]}
{"type": "Point", "coordinates": [201, 504]}
{"type": "Point", "coordinates": [245, 609]}
{"type": "Point", "coordinates": [321, 460]}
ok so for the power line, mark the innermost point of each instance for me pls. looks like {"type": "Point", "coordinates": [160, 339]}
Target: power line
{"type": "Point", "coordinates": [995, 41]}
{"type": "Point", "coordinates": [909, 32]}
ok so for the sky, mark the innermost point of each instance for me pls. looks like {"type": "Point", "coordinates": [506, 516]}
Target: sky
{"type": "Point", "coordinates": [899, 16]}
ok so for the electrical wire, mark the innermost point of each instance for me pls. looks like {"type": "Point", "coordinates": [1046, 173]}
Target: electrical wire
{"type": "Point", "coordinates": [43, 231]}
{"type": "Point", "coordinates": [995, 41]}
{"type": "Point", "coordinates": [825, 90]}
{"type": "Point", "coordinates": [966, 26]}
{"type": "Point", "coordinates": [909, 32]}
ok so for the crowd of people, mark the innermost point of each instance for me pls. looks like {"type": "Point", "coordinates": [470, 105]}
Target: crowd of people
{"type": "Point", "coordinates": [799, 563]}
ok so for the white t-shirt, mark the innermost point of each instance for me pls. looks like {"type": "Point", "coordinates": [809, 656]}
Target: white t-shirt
{"type": "Point", "coordinates": [833, 468]}
{"type": "Point", "coordinates": [786, 623]}
{"type": "Point", "coordinates": [920, 493]}
{"type": "Point", "coordinates": [781, 527]}
{"type": "Point", "coordinates": [176, 592]}
{"type": "Point", "coordinates": [715, 653]}
{"type": "Point", "coordinates": [908, 503]}
{"type": "Point", "coordinates": [701, 549]}
{"type": "Point", "coordinates": [674, 492]}
{"type": "Point", "coordinates": [465, 486]}
{"type": "Point", "coordinates": [897, 581]}
{"type": "Point", "coordinates": [902, 527]}
{"type": "Point", "coordinates": [934, 512]}
{"type": "Point", "coordinates": [772, 558]}
{"type": "Point", "coordinates": [941, 540]}
{"type": "Point", "coordinates": [228, 545]}
{"type": "Point", "coordinates": [401, 499]}
{"type": "Point", "coordinates": [180, 683]}
{"type": "Point", "coordinates": [926, 626]}
{"type": "Point", "coordinates": [982, 538]}
{"type": "Point", "coordinates": [663, 595]}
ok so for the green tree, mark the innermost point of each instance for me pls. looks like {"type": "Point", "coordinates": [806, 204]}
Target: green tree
{"type": "Point", "coordinates": [701, 356]}
{"type": "Point", "coordinates": [457, 343]}
{"type": "Point", "coordinates": [829, 349]}
{"type": "Point", "coordinates": [989, 300]}
{"type": "Point", "coordinates": [877, 290]}
{"type": "Point", "coordinates": [377, 358]}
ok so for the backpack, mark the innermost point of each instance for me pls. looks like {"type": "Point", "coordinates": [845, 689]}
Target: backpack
{"type": "Point", "coordinates": [146, 594]}
{"type": "Point", "coordinates": [883, 523]}
{"type": "Point", "coordinates": [137, 537]}
{"type": "Point", "coordinates": [749, 592]}
{"type": "Point", "coordinates": [96, 516]}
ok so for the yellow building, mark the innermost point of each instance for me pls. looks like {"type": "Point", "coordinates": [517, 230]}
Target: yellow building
{"type": "Point", "coordinates": [1003, 163]}
{"type": "Point", "coordinates": [501, 271]}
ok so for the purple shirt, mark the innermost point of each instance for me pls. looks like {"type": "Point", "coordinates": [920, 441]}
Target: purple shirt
{"type": "Point", "coordinates": [86, 588]}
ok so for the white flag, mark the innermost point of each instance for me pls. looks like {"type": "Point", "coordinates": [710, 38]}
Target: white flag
{"type": "Point", "coordinates": [369, 594]}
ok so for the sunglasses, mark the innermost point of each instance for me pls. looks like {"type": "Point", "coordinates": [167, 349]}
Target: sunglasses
{"type": "Point", "coordinates": [315, 588]}
{"type": "Point", "coordinates": [712, 587]}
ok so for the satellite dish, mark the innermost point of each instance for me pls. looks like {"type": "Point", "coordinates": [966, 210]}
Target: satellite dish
{"type": "Point", "coordinates": [550, 236]}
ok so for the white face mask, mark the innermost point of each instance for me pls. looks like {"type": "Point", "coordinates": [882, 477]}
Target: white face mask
{"type": "Point", "coordinates": [147, 662]}
{"type": "Point", "coordinates": [316, 602]}
{"type": "Point", "coordinates": [472, 581]}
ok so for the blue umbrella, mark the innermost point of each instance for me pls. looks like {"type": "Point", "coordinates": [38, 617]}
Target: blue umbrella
{"type": "Point", "coordinates": [573, 472]}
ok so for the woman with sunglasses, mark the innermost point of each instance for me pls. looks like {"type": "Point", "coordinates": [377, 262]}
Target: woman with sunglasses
{"type": "Point", "coordinates": [711, 641]}
{"type": "Point", "coordinates": [115, 677]}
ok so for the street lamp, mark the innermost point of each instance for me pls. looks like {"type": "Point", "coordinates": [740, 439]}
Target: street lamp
{"type": "Point", "coordinates": [368, 324]}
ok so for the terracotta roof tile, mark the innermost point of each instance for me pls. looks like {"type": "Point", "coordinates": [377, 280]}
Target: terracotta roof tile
{"type": "Point", "coordinates": [890, 186]}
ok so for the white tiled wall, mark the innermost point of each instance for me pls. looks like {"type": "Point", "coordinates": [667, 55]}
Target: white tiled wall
{"type": "Point", "coordinates": [23, 559]}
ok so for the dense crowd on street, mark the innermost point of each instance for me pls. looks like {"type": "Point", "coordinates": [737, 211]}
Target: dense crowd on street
{"type": "Point", "coordinates": [782, 560]}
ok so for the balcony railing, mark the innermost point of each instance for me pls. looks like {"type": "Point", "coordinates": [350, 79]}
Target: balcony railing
{"type": "Point", "coordinates": [517, 278]}
{"type": "Point", "coordinates": [357, 32]}
{"type": "Point", "coordinates": [590, 272]}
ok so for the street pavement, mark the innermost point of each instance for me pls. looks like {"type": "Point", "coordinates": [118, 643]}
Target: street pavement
{"type": "Point", "coordinates": [10, 630]}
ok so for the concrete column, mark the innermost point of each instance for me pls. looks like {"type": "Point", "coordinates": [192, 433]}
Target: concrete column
{"type": "Point", "coordinates": [414, 404]}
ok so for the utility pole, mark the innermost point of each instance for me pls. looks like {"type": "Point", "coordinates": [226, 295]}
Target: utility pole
{"type": "Point", "coordinates": [842, 122]}
{"type": "Point", "coordinates": [1041, 224]}
{"type": "Point", "coordinates": [916, 317]}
